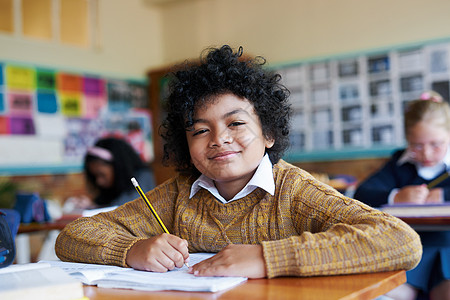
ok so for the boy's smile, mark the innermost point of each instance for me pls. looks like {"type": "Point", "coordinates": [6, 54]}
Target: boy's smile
{"type": "Point", "coordinates": [226, 142]}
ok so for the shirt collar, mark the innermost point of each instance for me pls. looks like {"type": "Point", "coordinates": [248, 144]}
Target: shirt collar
{"type": "Point", "coordinates": [407, 157]}
{"type": "Point", "coordinates": [426, 172]}
{"type": "Point", "coordinates": [263, 178]}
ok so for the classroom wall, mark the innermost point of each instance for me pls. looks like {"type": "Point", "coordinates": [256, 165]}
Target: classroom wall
{"type": "Point", "coordinates": [290, 30]}
{"type": "Point", "coordinates": [138, 35]}
{"type": "Point", "coordinates": [130, 43]}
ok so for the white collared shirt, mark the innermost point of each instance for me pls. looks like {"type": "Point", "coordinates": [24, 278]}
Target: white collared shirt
{"type": "Point", "coordinates": [262, 178]}
{"type": "Point", "coordinates": [424, 172]}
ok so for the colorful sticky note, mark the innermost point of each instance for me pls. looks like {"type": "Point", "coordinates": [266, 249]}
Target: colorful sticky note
{"type": "Point", "coordinates": [20, 78]}
{"type": "Point", "coordinates": [69, 83]}
{"type": "Point", "coordinates": [93, 105]}
{"type": "Point", "coordinates": [21, 125]}
{"type": "Point", "coordinates": [93, 86]}
{"type": "Point", "coordinates": [71, 104]}
{"type": "Point", "coordinates": [46, 102]}
{"type": "Point", "coordinates": [45, 79]}
{"type": "Point", "coordinates": [20, 103]}
{"type": "Point", "coordinates": [4, 125]}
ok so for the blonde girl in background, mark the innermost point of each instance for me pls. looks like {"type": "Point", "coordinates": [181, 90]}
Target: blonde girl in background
{"type": "Point", "coordinates": [404, 179]}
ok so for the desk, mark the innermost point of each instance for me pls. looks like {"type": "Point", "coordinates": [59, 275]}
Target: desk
{"type": "Point", "coordinates": [54, 225]}
{"type": "Point", "coordinates": [346, 287]}
{"type": "Point", "coordinates": [52, 229]}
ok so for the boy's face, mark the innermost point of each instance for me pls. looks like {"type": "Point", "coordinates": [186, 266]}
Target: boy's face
{"type": "Point", "coordinates": [226, 142]}
{"type": "Point", "coordinates": [428, 143]}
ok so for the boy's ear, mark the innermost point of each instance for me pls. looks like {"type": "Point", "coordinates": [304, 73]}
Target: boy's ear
{"type": "Point", "coordinates": [269, 143]}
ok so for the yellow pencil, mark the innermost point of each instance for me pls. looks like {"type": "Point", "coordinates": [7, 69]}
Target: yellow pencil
{"type": "Point", "coordinates": [438, 180]}
{"type": "Point", "coordinates": [142, 194]}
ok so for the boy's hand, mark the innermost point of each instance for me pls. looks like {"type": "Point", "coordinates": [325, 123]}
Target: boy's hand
{"type": "Point", "coordinates": [159, 253]}
{"type": "Point", "coordinates": [233, 260]}
{"type": "Point", "coordinates": [435, 196]}
{"type": "Point", "coordinates": [414, 194]}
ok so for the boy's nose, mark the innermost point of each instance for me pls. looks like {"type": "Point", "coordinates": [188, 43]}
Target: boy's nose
{"type": "Point", "coordinates": [220, 138]}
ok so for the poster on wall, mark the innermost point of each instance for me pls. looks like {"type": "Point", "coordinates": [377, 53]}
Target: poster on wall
{"type": "Point", "coordinates": [356, 102]}
{"type": "Point", "coordinates": [60, 114]}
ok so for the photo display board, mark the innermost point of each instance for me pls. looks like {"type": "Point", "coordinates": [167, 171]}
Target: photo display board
{"type": "Point", "coordinates": [50, 117]}
{"type": "Point", "coordinates": [357, 102]}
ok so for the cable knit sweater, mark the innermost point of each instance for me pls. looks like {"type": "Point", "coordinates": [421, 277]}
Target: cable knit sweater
{"type": "Point", "coordinates": [307, 228]}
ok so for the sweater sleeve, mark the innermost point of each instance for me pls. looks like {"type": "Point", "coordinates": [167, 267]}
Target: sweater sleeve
{"type": "Point", "coordinates": [339, 235]}
{"type": "Point", "coordinates": [105, 238]}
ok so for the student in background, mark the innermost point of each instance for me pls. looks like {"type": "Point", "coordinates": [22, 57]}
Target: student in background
{"type": "Point", "coordinates": [404, 179]}
{"type": "Point", "coordinates": [108, 167]}
{"type": "Point", "coordinates": [226, 130]}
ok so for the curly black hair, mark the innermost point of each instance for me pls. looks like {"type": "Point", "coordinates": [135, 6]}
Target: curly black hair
{"type": "Point", "coordinates": [221, 71]}
{"type": "Point", "coordinates": [126, 162]}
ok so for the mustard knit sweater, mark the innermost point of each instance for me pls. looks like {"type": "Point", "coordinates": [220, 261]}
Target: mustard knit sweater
{"type": "Point", "coordinates": [307, 228]}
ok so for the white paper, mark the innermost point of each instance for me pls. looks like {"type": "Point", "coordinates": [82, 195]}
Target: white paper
{"type": "Point", "coordinates": [127, 278]}
{"type": "Point", "coordinates": [29, 150]}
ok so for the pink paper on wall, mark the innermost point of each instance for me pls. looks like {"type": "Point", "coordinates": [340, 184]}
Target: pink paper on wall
{"type": "Point", "coordinates": [20, 103]}
{"type": "Point", "coordinates": [93, 105]}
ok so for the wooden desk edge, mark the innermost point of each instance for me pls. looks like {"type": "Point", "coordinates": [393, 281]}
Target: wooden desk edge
{"type": "Point", "coordinates": [391, 280]}
{"type": "Point", "coordinates": [58, 224]}
{"type": "Point", "coordinates": [396, 279]}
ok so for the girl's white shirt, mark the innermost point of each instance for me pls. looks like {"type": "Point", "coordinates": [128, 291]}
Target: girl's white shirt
{"type": "Point", "coordinates": [424, 172]}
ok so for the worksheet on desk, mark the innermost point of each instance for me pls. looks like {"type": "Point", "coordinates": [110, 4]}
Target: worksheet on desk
{"type": "Point", "coordinates": [127, 278]}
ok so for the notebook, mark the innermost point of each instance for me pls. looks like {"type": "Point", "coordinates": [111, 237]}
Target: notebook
{"type": "Point", "coordinates": [126, 278]}
{"type": "Point", "coordinates": [418, 210]}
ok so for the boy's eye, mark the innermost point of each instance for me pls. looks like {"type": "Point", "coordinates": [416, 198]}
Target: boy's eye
{"type": "Point", "coordinates": [237, 123]}
{"type": "Point", "coordinates": [200, 131]}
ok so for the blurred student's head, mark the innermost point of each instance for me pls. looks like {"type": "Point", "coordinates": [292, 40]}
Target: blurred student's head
{"type": "Point", "coordinates": [109, 165]}
{"type": "Point", "coordinates": [427, 128]}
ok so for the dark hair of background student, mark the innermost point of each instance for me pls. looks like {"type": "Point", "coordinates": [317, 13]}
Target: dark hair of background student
{"type": "Point", "coordinates": [224, 71]}
{"type": "Point", "coordinates": [125, 163]}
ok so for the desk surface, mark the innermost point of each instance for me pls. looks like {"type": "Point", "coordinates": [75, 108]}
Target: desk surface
{"type": "Point", "coordinates": [361, 286]}
{"type": "Point", "coordinates": [53, 225]}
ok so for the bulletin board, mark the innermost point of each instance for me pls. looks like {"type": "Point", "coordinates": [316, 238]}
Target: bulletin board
{"type": "Point", "coordinates": [48, 117]}
{"type": "Point", "coordinates": [352, 105]}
